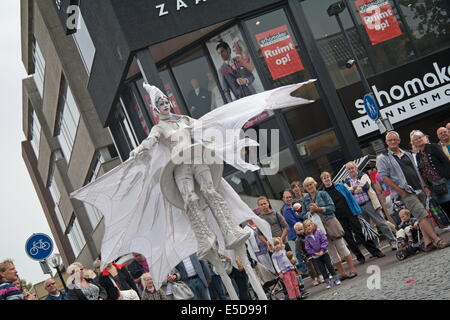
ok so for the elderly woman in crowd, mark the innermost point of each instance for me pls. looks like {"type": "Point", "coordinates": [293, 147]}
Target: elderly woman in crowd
{"type": "Point", "coordinates": [319, 203]}
{"type": "Point", "coordinates": [82, 287]}
{"type": "Point", "coordinates": [347, 211]}
{"type": "Point", "coordinates": [434, 167]}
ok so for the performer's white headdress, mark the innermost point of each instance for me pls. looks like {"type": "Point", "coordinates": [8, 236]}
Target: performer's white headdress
{"type": "Point", "coordinates": [155, 95]}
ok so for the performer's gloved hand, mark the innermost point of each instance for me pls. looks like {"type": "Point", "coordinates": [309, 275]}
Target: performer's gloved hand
{"type": "Point", "coordinates": [136, 151]}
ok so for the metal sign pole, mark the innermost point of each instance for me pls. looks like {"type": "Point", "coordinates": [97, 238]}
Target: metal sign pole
{"type": "Point", "coordinates": [383, 124]}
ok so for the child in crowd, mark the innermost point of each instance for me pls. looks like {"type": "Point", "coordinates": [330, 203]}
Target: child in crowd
{"type": "Point", "coordinates": [150, 292]}
{"type": "Point", "coordinates": [285, 269]}
{"type": "Point", "coordinates": [300, 251]}
{"type": "Point", "coordinates": [408, 229]}
{"type": "Point", "coordinates": [316, 244]}
{"type": "Point", "coordinates": [298, 274]}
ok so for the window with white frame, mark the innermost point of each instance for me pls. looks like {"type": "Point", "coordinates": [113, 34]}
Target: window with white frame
{"type": "Point", "coordinates": [68, 123]}
{"type": "Point", "coordinates": [39, 67]}
{"type": "Point", "coordinates": [56, 196]}
{"type": "Point", "coordinates": [93, 214]}
{"type": "Point", "coordinates": [84, 43]}
{"type": "Point", "coordinates": [76, 237]}
{"type": "Point", "coordinates": [35, 133]}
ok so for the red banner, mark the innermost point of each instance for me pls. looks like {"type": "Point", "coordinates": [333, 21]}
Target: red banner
{"type": "Point", "coordinates": [378, 19]}
{"type": "Point", "coordinates": [279, 52]}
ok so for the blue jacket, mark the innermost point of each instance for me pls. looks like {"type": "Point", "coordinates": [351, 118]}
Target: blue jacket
{"type": "Point", "coordinates": [317, 244]}
{"type": "Point", "coordinates": [324, 200]}
{"type": "Point", "coordinates": [351, 201]}
{"type": "Point", "coordinates": [291, 218]}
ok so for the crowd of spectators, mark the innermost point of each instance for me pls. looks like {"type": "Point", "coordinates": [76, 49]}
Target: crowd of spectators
{"type": "Point", "coordinates": [315, 233]}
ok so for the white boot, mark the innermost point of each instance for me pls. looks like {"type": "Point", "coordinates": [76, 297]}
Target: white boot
{"type": "Point", "coordinates": [233, 235]}
{"type": "Point", "coordinates": [207, 241]}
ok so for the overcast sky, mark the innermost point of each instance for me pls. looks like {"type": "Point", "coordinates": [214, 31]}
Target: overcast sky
{"type": "Point", "coordinates": [21, 213]}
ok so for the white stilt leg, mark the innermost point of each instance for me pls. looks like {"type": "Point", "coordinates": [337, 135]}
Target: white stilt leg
{"type": "Point", "coordinates": [214, 259]}
{"type": "Point", "coordinates": [256, 285]}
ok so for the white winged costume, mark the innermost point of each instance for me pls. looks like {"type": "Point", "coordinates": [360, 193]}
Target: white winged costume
{"type": "Point", "coordinates": [141, 206]}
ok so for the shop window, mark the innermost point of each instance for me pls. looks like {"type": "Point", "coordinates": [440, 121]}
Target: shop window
{"type": "Point", "coordinates": [278, 51]}
{"type": "Point", "coordinates": [394, 32]}
{"type": "Point", "coordinates": [331, 42]}
{"type": "Point", "coordinates": [137, 112]}
{"type": "Point", "coordinates": [321, 153]}
{"type": "Point", "coordinates": [123, 133]}
{"type": "Point", "coordinates": [287, 172]}
{"type": "Point", "coordinates": [244, 184]}
{"type": "Point", "coordinates": [307, 120]}
{"type": "Point", "coordinates": [197, 83]}
{"type": "Point", "coordinates": [234, 65]}
{"type": "Point", "coordinates": [429, 22]}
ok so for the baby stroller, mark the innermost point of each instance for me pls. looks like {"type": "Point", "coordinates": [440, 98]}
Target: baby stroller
{"type": "Point", "coordinates": [275, 289]}
{"type": "Point", "coordinates": [397, 205]}
{"type": "Point", "coordinates": [407, 249]}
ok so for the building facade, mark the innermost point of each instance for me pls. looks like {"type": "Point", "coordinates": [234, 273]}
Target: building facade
{"type": "Point", "coordinates": [66, 145]}
{"type": "Point", "coordinates": [196, 49]}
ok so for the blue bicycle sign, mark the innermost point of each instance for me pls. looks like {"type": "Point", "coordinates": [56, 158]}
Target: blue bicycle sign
{"type": "Point", "coordinates": [371, 107]}
{"type": "Point", "coordinates": [39, 246]}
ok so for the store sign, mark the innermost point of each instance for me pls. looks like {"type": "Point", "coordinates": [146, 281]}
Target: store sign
{"type": "Point", "coordinates": [279, 52]}
{"type": "Point", "coordinates": [180, 5]}
{"type": "Point", "coordinates": [379, 20]}
{"type": "Point", "coordinates": [402, 93]}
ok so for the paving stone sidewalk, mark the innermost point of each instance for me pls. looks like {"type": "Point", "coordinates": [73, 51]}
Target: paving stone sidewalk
{"type": "Point", "coordinates": [423, 277]}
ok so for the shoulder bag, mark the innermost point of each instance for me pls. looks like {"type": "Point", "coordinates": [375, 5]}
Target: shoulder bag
{"type": "Point", "coordinates": [439, 186]}
{"type": "Point", "coordinates": [332, 226]}
{"type": "Point", "coordinates": [181, 291]}
{"type": "Point", "coordinates": [125, 294]}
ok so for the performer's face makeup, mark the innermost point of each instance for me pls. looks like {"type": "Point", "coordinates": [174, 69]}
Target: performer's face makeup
{"type": "Point", "coordinates": [163, 106]}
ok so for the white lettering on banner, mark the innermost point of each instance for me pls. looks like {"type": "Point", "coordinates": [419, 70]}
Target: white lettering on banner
{"type": "Point", "coordinates": [278, 50]}
{"type": "Point", "coordinates": [405, 109]}
{"type": "Point", "coordinates": [410, 87]}
{"type": "Point", "coordinates": [180, 5]}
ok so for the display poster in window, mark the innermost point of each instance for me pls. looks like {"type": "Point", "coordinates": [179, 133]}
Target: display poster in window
{"type": "Point", "coordinates": [235, 68]}
{"type": "Point", "coordinates": [379, 20]}
{"type": "Point", "coordinates": [279, 52]}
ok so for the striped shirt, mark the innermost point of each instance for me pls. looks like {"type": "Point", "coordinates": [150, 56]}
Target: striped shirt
{"type": "Point", "coordinates": [9, 292]}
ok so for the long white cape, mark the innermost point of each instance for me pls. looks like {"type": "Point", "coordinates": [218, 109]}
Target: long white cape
{"type": "Point", "coordinates": [137, 216]}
